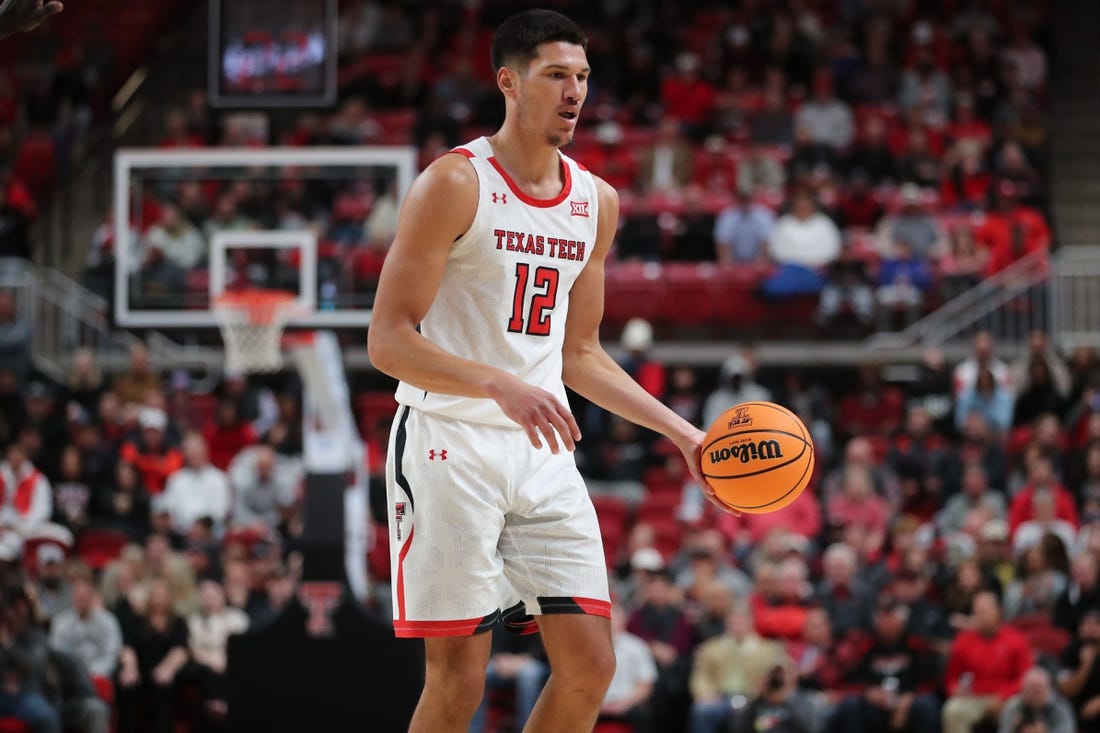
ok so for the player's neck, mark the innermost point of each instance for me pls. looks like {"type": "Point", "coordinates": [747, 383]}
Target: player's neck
{"type": "Point", "coordinates": [531, 163]}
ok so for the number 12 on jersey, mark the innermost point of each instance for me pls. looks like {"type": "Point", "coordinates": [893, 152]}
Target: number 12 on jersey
{"type": "Point", "coordinates": [543, 298]}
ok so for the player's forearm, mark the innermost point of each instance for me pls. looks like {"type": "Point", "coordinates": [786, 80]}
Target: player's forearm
{"type": "Point", "coordinates": [593, 374]}
{"type": "Point", "coordinates": [406, 355]}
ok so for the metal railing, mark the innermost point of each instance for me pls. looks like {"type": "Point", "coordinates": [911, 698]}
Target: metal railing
{"type": "Point", "coordinates": [1009, 305]}
{"type": "Point", "coordinates": [1075, 297]}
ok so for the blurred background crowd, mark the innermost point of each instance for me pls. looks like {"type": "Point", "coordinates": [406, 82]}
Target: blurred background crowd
{"type": "Point", "coordinates": [867, 159]}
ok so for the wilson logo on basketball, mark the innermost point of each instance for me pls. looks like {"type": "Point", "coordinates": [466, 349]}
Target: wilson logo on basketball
{"type": "Point", "coordinates": [740, 416]}
{"type": "Point", "coordinates": [746, 452]}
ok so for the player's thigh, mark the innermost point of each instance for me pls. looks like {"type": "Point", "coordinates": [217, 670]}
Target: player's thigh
{"type": "Point", "coordinates": [578, 645]}
{"type": "Point", "coordinates": [551, 546]}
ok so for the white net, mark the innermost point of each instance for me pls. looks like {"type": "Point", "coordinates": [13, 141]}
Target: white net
{"type": "Point", "coordinates": [252, 324]}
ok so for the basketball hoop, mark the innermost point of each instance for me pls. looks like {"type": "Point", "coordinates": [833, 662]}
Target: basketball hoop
{"type": "Point", "coordinates": [252, 322]}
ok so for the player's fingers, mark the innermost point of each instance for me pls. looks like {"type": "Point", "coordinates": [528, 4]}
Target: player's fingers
{"type": "Point", "coordinates": [572, 428]}
{"type": "Point", "coordinates": [533, 435]}
{"type": "Point", "coordinates": [564, 431]}
{"type": "Point", "coordinates": [550, 436]}
{"type": "Point", "coordinates": [53, 8]}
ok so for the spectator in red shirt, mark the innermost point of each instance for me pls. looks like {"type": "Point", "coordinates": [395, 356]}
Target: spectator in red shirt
{"type": "Point", "coordinates": [610, 159]}
{"type": "Point", "coordinates": [780, 606]}
{"type": "Point", "coordinates": [176, 134]}
{"type": "Point", "coordinates": [1012, 231]}
{"type": "Point", "coordinates": [857, 508]}
{"type": "Point", "coordinates": [1041, 476]}
{"type": "Point", "coordinates": [986, 666]}
{"type": "Point", "coordinates": [154, 459]}
{"type": "Point", "coordinates": [687, 97]}
{"type": "Point", "coordinates": [872, 407]}
{"type": "Point", "coordinates": [966, 181]}
{"type": "Point", "coordinates": [227, 434]}
{"type": "Point", "coordinates": [802, 517]}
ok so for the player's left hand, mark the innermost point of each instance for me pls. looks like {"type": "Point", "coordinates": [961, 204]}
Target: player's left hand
{"type": "Point", "coordinates": [25, 15]}
{"type": "Point", "coordinates": [692, 448]}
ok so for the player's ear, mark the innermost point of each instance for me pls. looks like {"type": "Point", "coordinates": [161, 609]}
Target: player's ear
{"type": "Point", "coordinates": [507, 80]}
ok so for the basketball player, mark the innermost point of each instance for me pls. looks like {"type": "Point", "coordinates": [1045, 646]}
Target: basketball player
{"type": "Point", "coordinates": [498, 260]}
{"type": "Point", "coordinates": [25, 15]}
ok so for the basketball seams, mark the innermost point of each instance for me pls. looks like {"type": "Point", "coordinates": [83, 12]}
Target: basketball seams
{"type": "Point", "coordinates": [802, 436]}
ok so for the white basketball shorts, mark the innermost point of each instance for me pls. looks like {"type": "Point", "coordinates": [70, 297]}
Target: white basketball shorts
{"type": "Point", "coordinates": [484, 527]}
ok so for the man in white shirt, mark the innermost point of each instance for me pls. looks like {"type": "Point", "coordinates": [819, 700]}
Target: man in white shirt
{"type": "Point", "coordinates": [828, 120]}
{"type": "Point", "coordinates": [805, 236]}
{"type": "Point", "coordinates": [197, 490]}
{"type": "Point", "coordinates": [87, 631]}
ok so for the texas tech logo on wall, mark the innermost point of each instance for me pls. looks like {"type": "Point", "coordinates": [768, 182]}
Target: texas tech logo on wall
{"type": "Point", "coordinates": [320, 599]}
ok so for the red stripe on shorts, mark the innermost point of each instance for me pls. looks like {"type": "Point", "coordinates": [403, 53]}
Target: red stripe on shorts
{"type": "Point", "coordinates": [401, 575]}
{"type": "Point", "coordinates": [593, 606]}
{"type": "Point", "coordinates": [417, 629]}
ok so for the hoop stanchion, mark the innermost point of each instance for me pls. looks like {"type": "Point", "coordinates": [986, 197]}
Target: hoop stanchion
{"type": "Point", "coordinates": [252, 323]}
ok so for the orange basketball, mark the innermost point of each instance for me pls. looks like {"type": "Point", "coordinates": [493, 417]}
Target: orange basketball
{"type": "Point", "coordinates": [758, 457]}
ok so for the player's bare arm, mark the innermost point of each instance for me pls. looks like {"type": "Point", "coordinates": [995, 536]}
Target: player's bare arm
{"type": "Point", "coordinates": [25, 15]}
{"type": "Point", "coordinates": [438, 209]}
{"type": "Point", "coordinates": [591, 372]}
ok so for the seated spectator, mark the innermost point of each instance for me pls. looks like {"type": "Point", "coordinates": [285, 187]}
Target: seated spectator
{"type": "Point", "coordinates": [778, 706]}
{"type": "Point", "coordinates": [918, 162]}
{"type": "Point", "coordinates": [760, 171]}
{"type": "Point", "coordinates": [801, 518]}
{"type": "Point", "coordinates": [844, 596]}
{"type": "Point", "coordinates": [803, 241]}
{"type": "Point", "coordinates": [26, 498]}
{"type": "Point", "coordinates": [1028, 60]}
{"type": "Point", "coordinates": [1038, 394]}
{"type": "Point", "coordinates": [872, 156]}
{"type": "Point", "coordinates": [1043, 521]}
{"type": "Point", "coordinates": [265, 486]}
{"type": "Point", "coordinates": [225, 218]}
{"type": "Point", "coordinates": [993, 401]}
{"type": "Point", "coordinates": [715, 166]}
{"type": "Point", "coordinates": [1039, 348]}
{"type": "Point", "coordinates": [924, 86]}
{"type": "Point", "coordinates": [780, 611]}
{"type": "Point", "coordinates": [736, 663]}
{"type": "Point", "coordinates": [661, 622]}
{"type": "Point", "coordinates": [742, 232]}
{"type": "Point", "coordinates": [1040, 477]}
{"type": "Point", "coordinates": [15, 339]}
{"type": "Point", "coordinates": [197, 489]}
{"type": "Point", "coordinates": [811, 164]}
{"type": "Point", "coordinates": [903, 279]}
{"type": "Point", "coordinates": [52, 591]}
{"type": "Point", "coordinates": [176, 134]}
{"type": "Point", "coordinates": [736, 384]}
{"type": "Point", "coordinates": [693, 231]}
{"type": "Point", "coordinates": [1011, 230]}
{"type": "Point", "coordinates": [135, 384]}
{"type": "Point", "coordinates": [627, 697]}
{"type": "Point", "coordinates": [857, 507]}
{"type": "Point", "coordinates": [1041, 578]}
{"type": "Point", "coordinates": [892, 678]}
{"type": "Point", "coordinates": [687, 97]}
{"type": "Point", "coordinates": [610, 159]}
{"type": "Point", "coordinates": [150, 454]}
{"type": "Point", "coordinates": [87, 631]}
{"type": "Point", "coordinates": [875, 78]}
{"type": "Point", "coordinates": [72, 495]}
{"type": "Point", "coordinates": [208, 632]}
{"type": "Point", "coordinates": [858, 207]}
{"type": "Point", "coordinates": [640, 238]}
{"type": "Point", "coordinates": [227, 434]}
{"type": "Point", "coordinates": [986, 667]}
{"type": "Point", "coordinates": [828, 119]}
{"type": "Point", "coordinates": [707, 565]}
{"type": "Point", "coordinates": [23, 652]}
{"type": "Point", "coordinates": [773, 124]}
{"type": "Point", "coordinates": [1081, 594]}
{"type": "Point", "coordinates": [966, 180]}
{"type": "Point", "coordinates": [124, 503]}
{"type": "Point", "coordinates": [927, 620]}
{"type": "Point", "coordinates": [175, 237]}
{"type": "Point", "coordinates": [913, 223]}
{"type": "Point", "coordinates": [714, 602]}
{"type": "Point", "coordinates": [153, 653]}
{"type": "Point", "coordinates": [964, 264]}
{"type": "Point", "coordinates": [847, 288]}
{"type": "Point", "coordinates": [1036, 707]}
{"type": "Point", "coordinates": [976, 494]}
{"type": "Point", "coordinates": [667, 165]}
{"type": "Point", "coordinates": [817, 658]}
{"type": "Point", "coordinates": [966, 125]}
{"type": "Point", "coordinates": [1079, 675]}
{"type": "Point", "coordinates": [873, 407]}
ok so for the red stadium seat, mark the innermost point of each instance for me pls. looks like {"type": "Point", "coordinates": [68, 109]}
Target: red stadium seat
{"type": "Point", "coordinates": [13, 725]}
{"type": "Point", "coordinates": [692, 294]}
{"type": "Point", "coordinates": [633, 290]}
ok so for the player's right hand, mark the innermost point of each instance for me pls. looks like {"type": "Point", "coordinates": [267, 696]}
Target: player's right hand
{"type": "Point", "coordinates": [25, 15]}
{"type": "Point", "coordinates": [538, 412]}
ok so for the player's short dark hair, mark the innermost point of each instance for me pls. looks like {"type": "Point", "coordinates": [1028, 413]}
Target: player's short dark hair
{"type": "Point", "coordinates": [517, 40]}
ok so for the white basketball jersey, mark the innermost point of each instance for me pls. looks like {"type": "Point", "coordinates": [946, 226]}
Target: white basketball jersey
{"type": "Point", "coordinates": [504, 296]}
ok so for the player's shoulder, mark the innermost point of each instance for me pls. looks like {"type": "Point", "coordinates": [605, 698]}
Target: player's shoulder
{"type": "Point", "coordinates": [605, 194]}
{"type": "Point", "coordinates": [453, 168]}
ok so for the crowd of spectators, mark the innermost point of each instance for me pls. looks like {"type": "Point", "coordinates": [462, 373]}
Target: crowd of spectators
{"type": "Point", "coordinates": [881, 157]}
